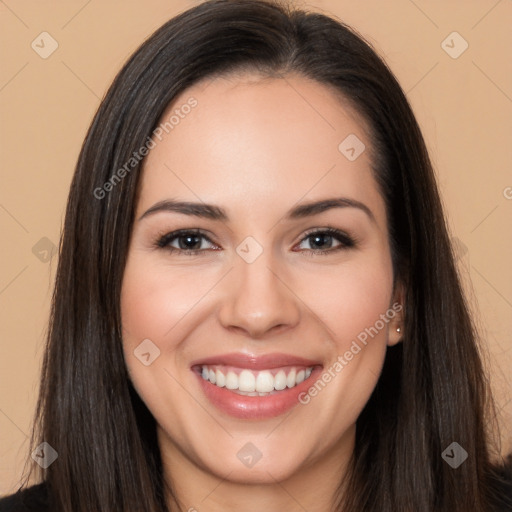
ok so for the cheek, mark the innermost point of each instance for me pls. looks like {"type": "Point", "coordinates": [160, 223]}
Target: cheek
{"type": "Point", "coordinates": [351, 304]}
{"type": "Point", "coordinates": [154, 300]}
{"type": "Point", "coordinates": [351, 299]}
{"type": "Point", "coordinates": [154, 304]}
{"type": "Point", "coordinates": [162, 305]}
{"type": "Point", "coordinates": [150, 307]}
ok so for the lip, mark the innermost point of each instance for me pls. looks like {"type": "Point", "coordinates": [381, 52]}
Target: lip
{"type": "Point", "coordinates": [254, 362]}
{"type": "Point", "coordinates": [255, 407]}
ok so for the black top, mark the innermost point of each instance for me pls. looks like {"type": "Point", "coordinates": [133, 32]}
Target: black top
{"type": "Point", "coordinates": [35, 498]}
{"type": "Point", "coordinates": [32, 499]}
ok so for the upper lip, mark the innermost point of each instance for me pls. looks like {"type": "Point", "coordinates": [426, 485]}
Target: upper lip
{"type": "Point", "coordinates": [256, 362]}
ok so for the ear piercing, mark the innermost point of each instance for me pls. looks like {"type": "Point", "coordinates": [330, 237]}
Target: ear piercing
{"type": "Point", "coordinates": [398, 329]}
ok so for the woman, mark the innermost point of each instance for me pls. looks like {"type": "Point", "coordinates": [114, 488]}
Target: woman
{"type": "Point", "coordinates": [256, 302]}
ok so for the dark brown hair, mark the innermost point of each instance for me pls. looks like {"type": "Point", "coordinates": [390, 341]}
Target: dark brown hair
{"type": "Point", "coordinates": [432, 390]}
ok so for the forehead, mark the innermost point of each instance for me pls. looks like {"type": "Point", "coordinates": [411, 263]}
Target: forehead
{"type": "Point", "coordinates": [250, 140]}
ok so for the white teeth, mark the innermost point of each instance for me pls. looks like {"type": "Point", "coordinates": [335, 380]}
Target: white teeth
{"type": "Point", "coordinates": [257, 383]}
{"type": "Point", "coordinates": [246, 381]}
{"type": "Point", "coordinates": [264, 382]}
{"type": "Point", "coordinates": [231, 381]}
{"type": "Point", "coordinates": [220, 379]}
{"type": "Point", "coordinates": [280, 381]}
{"type": "Point", "coordinates": [246, 393]}
{"type": "Point", "coordinates": [290, 380]}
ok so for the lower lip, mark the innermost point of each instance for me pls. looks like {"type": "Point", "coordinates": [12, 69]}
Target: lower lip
{"type": "Point", "coordinates": [256, 407]}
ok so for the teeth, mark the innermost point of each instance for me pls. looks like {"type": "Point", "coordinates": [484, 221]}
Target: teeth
{"type": "Point", "coordinates": [290, 380]}
{"type": "Point", "coordinates": [280, 381]}
{"type": "Point", "coordinates": [264, 382]}
{"type": "Point", "coordinates": [246, 381]}
{"type": "Point", "coordinates": [220, 379]}
{"type": "Point", "coordinates": [255, 383]}
{"type": "Point", "coordinates": [231, 380]}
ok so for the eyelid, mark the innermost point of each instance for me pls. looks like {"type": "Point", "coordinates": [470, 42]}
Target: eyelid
{"type": "Point", "coordinates": [326, 229]}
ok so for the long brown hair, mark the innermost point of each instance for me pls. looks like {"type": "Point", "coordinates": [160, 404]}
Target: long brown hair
{"type": "Point", "coordinates": [432, 390]}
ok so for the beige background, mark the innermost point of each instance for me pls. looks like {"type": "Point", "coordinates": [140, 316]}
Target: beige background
{"type": "Point", "coordinates": [464, 106]}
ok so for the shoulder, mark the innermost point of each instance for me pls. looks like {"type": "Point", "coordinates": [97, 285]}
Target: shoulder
{"type": "Point", "coordinates": [31, 499]}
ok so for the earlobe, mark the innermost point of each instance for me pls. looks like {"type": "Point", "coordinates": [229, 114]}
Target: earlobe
{"type": "Point", "coordinates": [394, 334]}
{"type": "Point", "coordinates": [395, 330]}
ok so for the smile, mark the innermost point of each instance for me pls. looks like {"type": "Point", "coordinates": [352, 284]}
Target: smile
{"type": "Point", "coordinates": [255, 383]}
{"type": "Point", "coordinates": [255, 387]}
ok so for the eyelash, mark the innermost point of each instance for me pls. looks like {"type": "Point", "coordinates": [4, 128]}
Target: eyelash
{"type": "Point", "coordinates": [346, 241]}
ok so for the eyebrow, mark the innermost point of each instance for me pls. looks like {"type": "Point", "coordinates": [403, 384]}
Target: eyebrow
{"type": "Point", "coordinates": [213, 212]}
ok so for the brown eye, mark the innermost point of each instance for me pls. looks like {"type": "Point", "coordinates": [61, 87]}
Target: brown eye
{"type": "Point", "coordinates": [186, 241]}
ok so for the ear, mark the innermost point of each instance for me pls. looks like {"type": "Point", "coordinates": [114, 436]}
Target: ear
{"type": "Point", "coordinates": [396, 324]}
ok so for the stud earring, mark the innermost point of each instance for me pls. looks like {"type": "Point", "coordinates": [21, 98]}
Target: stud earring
{"type": "Point", "coordinates": [398, 329]}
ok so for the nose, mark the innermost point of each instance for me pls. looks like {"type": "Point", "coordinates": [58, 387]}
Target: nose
{"type": "Point", "coordinates": [258, 300]}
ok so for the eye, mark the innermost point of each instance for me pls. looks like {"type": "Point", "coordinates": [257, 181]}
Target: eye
{"type": "Point", "coordinates": [188, 241]}
{"type": "Point", "coordinates": [326, 240]}
{"type": "Point", "coordinates": [193, 242]}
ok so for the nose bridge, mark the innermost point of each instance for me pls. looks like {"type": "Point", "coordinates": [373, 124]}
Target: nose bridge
{"type": "Point", "coordinates": [257, 299]}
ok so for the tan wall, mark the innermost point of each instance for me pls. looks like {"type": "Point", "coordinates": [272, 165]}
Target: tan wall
{"type": "Point", "coordinates": [463, 104]}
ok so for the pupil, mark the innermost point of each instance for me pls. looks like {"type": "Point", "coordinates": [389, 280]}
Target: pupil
{"type": "Point", "coordinates": [190, 241]}
{"type": "Point", "coordinates": [321, 240]}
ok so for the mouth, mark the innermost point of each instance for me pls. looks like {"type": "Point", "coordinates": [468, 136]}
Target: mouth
{"type": "Point", "coordinates": [255, 387]}
{"type": "Point", "coordinates": [251, 383]}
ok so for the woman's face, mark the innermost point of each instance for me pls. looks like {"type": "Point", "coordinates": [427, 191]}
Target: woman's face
{"type": "Point", "coordinates": [257, 334]}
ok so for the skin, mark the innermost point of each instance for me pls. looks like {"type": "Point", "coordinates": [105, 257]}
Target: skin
{"type": "Point", "coordinates": [258, 147]}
